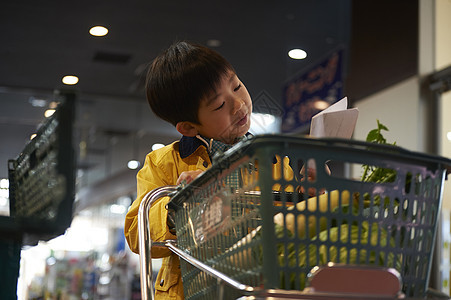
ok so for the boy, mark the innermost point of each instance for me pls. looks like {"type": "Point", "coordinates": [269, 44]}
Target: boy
{"type": "Point", "coordinates": [197, 90]}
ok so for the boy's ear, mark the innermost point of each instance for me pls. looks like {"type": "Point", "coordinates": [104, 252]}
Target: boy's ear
{"type": "Point", "coordinates": [186, 128]}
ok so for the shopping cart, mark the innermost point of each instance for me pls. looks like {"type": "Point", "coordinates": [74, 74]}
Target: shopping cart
{"type": "Point", "coordinates": [245, 227]}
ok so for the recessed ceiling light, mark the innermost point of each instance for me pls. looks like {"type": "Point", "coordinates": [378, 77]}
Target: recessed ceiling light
{"type": "Point", "coordinates": [320, 104]}
{"type": "Point", "coordinates": [157, 146]}
{"type": "Point", "coordinates": [133, 164]}
{"type": "Point", "coordinates": [49, 112]}
{"type": "Point", "coordinates": [448, 135]}
{"type": "Point", "coordinates": [297, 54]}
{"type": "Point", "coordinates": [98, 31]}
{"type": "Point", "coordinates": [70, 80]}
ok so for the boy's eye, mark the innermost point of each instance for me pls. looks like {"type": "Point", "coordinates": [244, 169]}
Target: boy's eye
{"type": "Point", "coordinates": [237, 88]}
{"type": "Point", "coordinates": [220, 106]}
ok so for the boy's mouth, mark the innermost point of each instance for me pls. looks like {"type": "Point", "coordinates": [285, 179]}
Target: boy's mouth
{"type": "Point", "coordinates": [242, 121]}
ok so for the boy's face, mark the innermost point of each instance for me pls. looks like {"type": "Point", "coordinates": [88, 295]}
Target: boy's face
{"type": "Point", "coordinates": [226, 114]}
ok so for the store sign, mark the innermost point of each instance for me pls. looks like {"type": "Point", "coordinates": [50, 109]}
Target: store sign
{"type": "Point", "coordinates": [312, 91]}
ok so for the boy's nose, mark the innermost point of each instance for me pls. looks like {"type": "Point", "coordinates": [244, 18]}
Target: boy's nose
{"type": "Point", "coordinates": [237, 104]}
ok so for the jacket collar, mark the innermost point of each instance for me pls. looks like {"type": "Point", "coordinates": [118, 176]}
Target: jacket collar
{"type": "Point", "coordinates": [188, 145]}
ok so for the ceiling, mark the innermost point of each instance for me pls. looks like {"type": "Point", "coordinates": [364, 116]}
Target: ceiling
{"type": "Point", "coordinates": [41, 41]}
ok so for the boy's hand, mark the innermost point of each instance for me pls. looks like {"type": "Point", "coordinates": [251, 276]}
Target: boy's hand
{"type": "Point", "coordinates": [188, 176]}
{"type": "Point", "coordinates": [185, 177]}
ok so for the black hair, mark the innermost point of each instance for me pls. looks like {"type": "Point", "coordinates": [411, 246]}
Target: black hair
{"type": "Point", "coordinates": [181, 77]}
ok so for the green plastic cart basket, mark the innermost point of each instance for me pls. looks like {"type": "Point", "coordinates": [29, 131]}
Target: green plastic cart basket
{"type": "Point", "coordinates": [249, 216]}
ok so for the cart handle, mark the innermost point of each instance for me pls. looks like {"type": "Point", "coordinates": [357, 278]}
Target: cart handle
{"type": "Point", "coordinates": [145, 242]}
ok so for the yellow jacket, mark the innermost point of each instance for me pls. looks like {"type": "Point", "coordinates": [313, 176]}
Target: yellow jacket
{"type": "Point", "coordinates": [163, 167]}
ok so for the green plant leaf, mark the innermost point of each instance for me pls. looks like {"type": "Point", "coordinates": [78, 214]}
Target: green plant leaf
{"type": "Point", "coordinates": [372, 135]}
